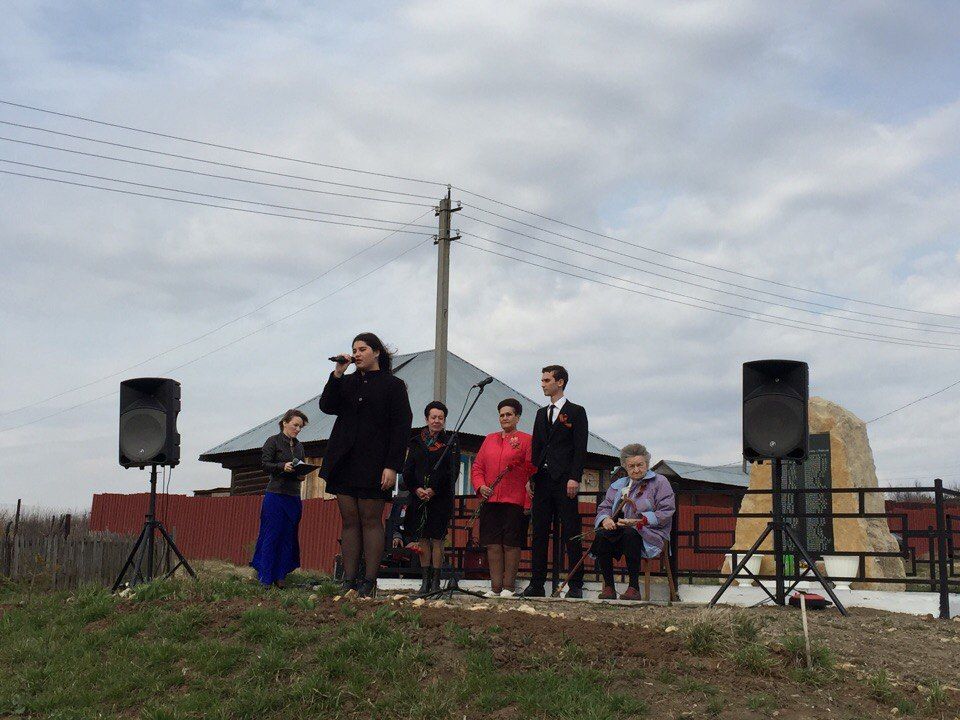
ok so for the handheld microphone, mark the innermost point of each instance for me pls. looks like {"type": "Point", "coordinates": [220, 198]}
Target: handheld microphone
{"type": "Point", "coordinates": [483, 383]}
{"type": "Point", "coordinates": [340, 359]}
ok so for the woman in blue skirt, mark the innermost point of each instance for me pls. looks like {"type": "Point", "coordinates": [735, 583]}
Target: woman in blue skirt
{"type": "Point", "coordinates": [278, 548]}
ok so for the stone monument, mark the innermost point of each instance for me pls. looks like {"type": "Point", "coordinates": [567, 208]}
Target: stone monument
{"type": "Point", "coordinates": [850, 465]}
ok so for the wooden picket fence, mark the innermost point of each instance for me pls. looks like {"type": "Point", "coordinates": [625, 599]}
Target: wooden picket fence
{"type": "Point", "coordinates": [58, 562]}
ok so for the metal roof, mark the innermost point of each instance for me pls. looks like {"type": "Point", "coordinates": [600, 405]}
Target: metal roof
{"type": "Point", "coordinates": [416, 370]}
{"type": "Point", "coordinates": [727, 475]}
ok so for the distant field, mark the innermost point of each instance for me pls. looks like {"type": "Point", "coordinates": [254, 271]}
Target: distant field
{"type": "Point", "coordinates": [225, 648]}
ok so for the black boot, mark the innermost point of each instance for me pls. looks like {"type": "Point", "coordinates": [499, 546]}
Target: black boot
{"type": "Point", "coordinates": [427, 579]}
{"type": "Point", "coordinates": [435, 582]}
{"type": "Point", "coordinates": [367, 588]}
{"type": "Point", "coordinates": [344, 584]}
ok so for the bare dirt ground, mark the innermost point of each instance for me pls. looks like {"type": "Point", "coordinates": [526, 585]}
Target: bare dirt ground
{"type": "Point", "coordinates": [689, 661]}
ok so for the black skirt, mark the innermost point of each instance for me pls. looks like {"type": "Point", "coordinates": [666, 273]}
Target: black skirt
{"type": "Point", "coordinates": [438, 512]}
{"type": "Point", "coordinates": [346, 478]}
{"type": "Point", "coordinates": [503, 524]}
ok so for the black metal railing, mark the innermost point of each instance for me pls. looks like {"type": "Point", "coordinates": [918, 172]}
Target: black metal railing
{"type": "Point", "coordinates": [928, 552]}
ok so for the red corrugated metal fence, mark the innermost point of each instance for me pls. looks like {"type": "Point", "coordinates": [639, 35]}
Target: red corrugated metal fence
{"type": "Point", "coordinates": [225, 528]}
{"type": "Point", "coordinates": [222, 528]}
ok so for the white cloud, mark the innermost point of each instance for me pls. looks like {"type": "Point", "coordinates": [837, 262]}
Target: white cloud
{"type": "Point", "coordinates": [784, 144]}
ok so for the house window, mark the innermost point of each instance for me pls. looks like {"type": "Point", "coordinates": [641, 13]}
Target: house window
{"type": "Point", "coordinates": [464, 486]}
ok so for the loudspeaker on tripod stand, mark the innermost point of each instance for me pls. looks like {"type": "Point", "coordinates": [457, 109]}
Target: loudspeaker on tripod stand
{"type": "Point", "coordinates": [149, 438]}
{"type": "Point", "coordinates": [148, 422]}
{"type": "Point", "coordinates": [775, 395]}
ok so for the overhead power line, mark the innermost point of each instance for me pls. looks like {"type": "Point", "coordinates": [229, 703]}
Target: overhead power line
{"type": "Point", "coordinates": [686, 274]}
{"type": "Point", "coordinates": [737, 311]}
{"type": "Point", "coordinates": [218, 146]}
{"type": "Point", "coordinates": [200, 173]}
{"type": "Point", "coordinates": [914, 402]}
{"type": "Point", "coordinates": [205, 204]}
{"type": "Point", "coordinates": [226, 345]}
{"type": "Point", "coordinates": [868, 422]}
{"type": "Point", "coordinates": [684, 259]}
{"type": "Point", "coordinates": [233, 166]}
{"type": "Point", "coordinates": [721, 308]}
{"type": "Point", "coordinates": [952, 331]}
{"type": "Point", "coordinates": [212, 331]}
{"type": "Point", "coordinates": [211, 196]}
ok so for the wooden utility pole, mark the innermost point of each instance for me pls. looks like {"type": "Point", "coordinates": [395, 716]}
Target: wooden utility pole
{"type": "Point", "coordinates": [443, 298]}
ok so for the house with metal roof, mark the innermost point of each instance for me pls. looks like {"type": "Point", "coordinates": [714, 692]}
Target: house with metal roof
{"type": "Point", "coordinates": [241, 454]}
{"type": "Point", "coordinates": [719, 486]}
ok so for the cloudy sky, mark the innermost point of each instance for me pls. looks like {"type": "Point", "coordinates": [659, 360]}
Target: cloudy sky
{"type": "Point", "coordinates": [703, 148]}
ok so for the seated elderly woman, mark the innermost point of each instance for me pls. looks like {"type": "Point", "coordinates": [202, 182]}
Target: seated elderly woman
{"type": "Point", "coordinates": [633, 520]}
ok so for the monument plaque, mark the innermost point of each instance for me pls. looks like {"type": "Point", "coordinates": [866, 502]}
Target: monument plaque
{"type": "Point", "coordinates": [816, 533]}
{"type": "Point", "coordinates": [848, 463]}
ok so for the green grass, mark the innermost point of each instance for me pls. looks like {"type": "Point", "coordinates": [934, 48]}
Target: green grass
{"type": "Point", "coordinates": [746, 628]}
{"type": "Point", "coordinates": [755, 658]}
{"type": "Point", "coordinates": [936, 697]}
{"type": "Point", "coordinates": [760, 701]}
{"type": "Point", "coordinates": [715, 706]}
{"type": "Point", "coordinates": [703, 638]}
{"type": "Point", "coordinates": [232, 649]}
{"type": "Point", "coordinates": [821, 656]}
{"type": "Point", "coordinates": [881, 689]}
{"type": "Point", "coordinates": [190, 650]}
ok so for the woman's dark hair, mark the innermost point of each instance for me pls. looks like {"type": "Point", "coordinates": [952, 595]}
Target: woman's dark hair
{"type": "Point", "coordinates": [435, 405]}
{"type": "Point", "coordinates": [511, 402]}
{"type": "Point", "coordinates": [385, 359]}
{"type": "Point", "coordinates": [290, 415]}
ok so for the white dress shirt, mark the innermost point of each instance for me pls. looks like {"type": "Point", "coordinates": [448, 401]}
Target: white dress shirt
{"type": "Point", "coordinates": [559, 408]}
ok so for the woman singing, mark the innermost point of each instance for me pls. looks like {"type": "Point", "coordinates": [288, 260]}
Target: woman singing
{"type": "Point", "coordinates": [278, 550]}
{"type": "Point", "coordinates": [431, 491]}
{"type": "Point", "coordinates": [504, 460]}
{"type": "Point", "coordinates": [365, 452]}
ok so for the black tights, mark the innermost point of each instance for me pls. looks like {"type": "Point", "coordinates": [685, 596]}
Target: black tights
{"type": "Point", "coordinates": [362, 528]}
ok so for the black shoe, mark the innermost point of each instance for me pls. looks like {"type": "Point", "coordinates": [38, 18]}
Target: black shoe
{"type": "Point", "coordinates": [575, 593]}
{"type": "Point", "coordinates": [435, 583]}
{"type": "Point", "coordinates": [427, 581]}
{"type": "Point", "coordinates": [345, 584]}
{"type": "Point", "coordinates": [367, 588]}
{"type": "Point", "coordinates": [532, 590]}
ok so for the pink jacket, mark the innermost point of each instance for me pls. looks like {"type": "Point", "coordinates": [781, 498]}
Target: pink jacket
{"type": "Point", "coordinates": [494, 455]}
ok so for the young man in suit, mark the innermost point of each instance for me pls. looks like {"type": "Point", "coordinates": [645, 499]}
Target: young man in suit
{"type": "Point", "coordinates": [559, 451]}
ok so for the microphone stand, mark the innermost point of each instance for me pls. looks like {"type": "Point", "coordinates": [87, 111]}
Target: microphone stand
{"type": "Point", "coordinates": [453, 584]}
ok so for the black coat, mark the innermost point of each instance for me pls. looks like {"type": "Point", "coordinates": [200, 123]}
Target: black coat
{"type": "Point", "coordinates": [561, 449]}
{"type": "Point", "coordinates": [420, 462]}
{"type": "Point", "coordinates": [373, 423]}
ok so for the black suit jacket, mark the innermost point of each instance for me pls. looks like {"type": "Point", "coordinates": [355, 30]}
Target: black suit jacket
{"type": "Point", "coordinates": [420, 462]}
{"type": "Point", "coordinates": [560, 450]}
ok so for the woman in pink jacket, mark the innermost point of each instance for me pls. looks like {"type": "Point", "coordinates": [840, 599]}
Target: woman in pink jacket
{"type": "Point", "coordinates": [500, 473]}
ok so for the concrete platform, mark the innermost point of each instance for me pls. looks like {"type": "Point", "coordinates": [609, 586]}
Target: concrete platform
{"type": "Point", "coordinates": [910, 603]}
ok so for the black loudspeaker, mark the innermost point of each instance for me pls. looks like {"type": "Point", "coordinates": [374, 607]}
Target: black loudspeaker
{"type": "Point", "coordinates": [775, 394]}
{"type": "Point", "coordinates": [148, 422]}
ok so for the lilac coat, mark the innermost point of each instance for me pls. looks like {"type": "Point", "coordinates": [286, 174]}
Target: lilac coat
{"type": "Point", "coordinates": [655, 501]}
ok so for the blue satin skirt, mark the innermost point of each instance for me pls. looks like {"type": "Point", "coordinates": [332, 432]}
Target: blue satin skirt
{"type": "Point", "coordinates": [278, 548]}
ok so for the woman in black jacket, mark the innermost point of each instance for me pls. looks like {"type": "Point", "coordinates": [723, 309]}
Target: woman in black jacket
{"type": "Point", "coordinates": [365, 451]}
{"type": "Point", "coordinates": [431, 491]}
{"type": "Point", "coordinates": [278, 547]}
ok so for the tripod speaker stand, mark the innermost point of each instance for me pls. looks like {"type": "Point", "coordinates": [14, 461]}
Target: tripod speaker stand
{"type": "Point", "coordinates": [779, 528]}
{"type": "Point", "coordinates": [146, 554]}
